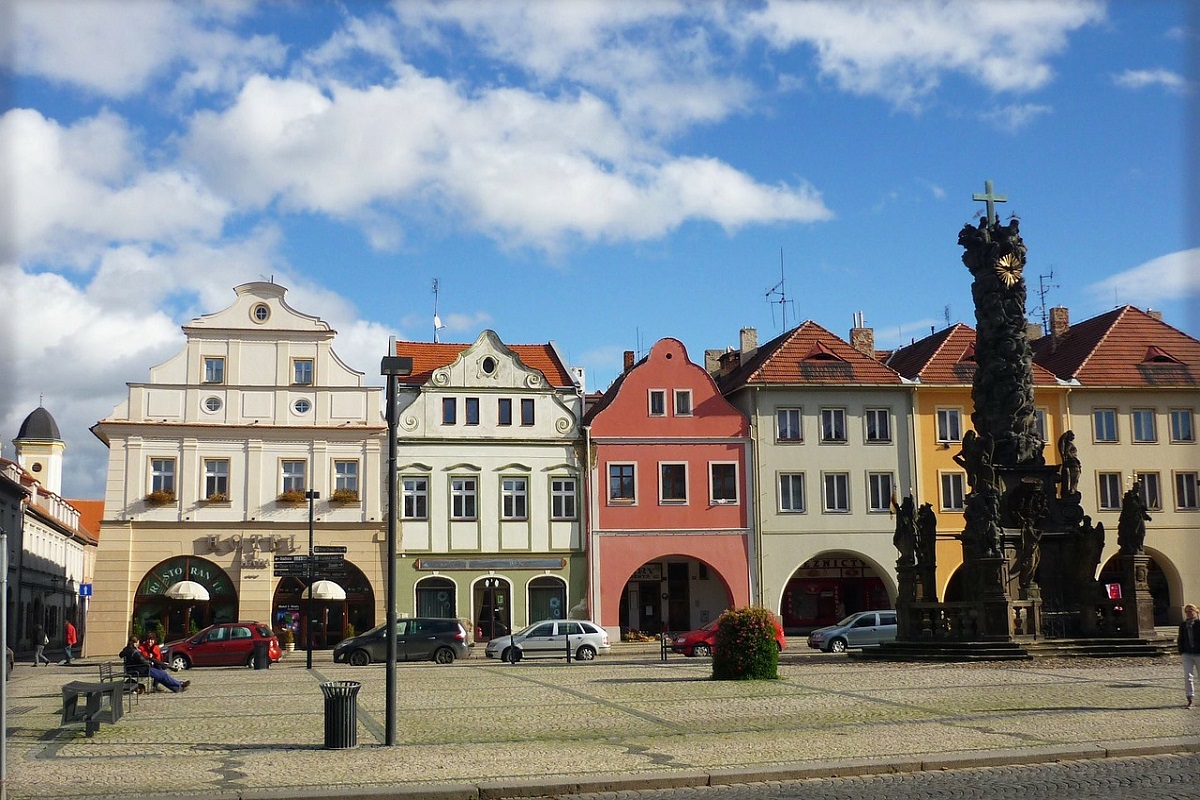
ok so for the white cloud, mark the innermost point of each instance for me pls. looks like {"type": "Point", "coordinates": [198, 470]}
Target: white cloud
{"type": "Point", "coordinates": [1149, 78]}
{"type": "Point", "coordinates": [1172, 277]}
{"type": "Point", "coordinates": [1015, 116]}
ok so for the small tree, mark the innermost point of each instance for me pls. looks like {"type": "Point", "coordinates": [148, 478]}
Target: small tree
{"type": "Point", "coordinates": [744, 648]}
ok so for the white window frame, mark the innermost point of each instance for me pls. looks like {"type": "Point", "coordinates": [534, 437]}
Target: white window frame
{"type": "Point", "coordinates": [564, 499]}
{"type": "Point", "coordinates": [1151, 484]}
{"type": "Point", "coordinates": [1187, 491]}
{"type": "Point", "coordinates": [880, 488]}
{"type": "Point", "coordinates": [683, 402]}
{"type": "Point", "coordinates": [219, 363]}
{"type": "Point", "coordinates": [1108, 491]}
{"type": "Point", "coordinates": [514, 498]}
{"type": "Point", "coordinates": [297, 378]}
{"type": "Point", "coordinates": [162, 474]}
{"type": "Point", "coordinates": [633, 477]}
{"type": "Point", "coordinates": [1137, 419]}
{"type": "Point", "coordinates": [662, 483]}
{"type": "Point", "coordinates": [656, 402]}
{"type": "Point", "coordinates": [712, 483]}
{"type": "Point", "coordinates": [786, 413]}
{"type": "Point", "coordinates": [414, 497]}
{"type": "Point", "coordinates": [872, 418]}
{"type": "Point", "coordinates": [1181, 418]}
{"type": "Point", "coordinates": [952, 494]}
{"type": "Point", "coordinates": [291, 479]}
{"type": "Point", "coordinates": [464, 498]}
{"type": "Point", "coordinates": [1041, 422]}
{"type": "Point", "coordinates": [948, 418]}
{"type": "Point", "coordinates": [216, 480]}
{"type": "Point", "coordinates": [345, 475]}
{"type": "Point", "coordinates": [833, 425]}
{"type": "Point", "coordinates": [835, 492]}
{"type": "Point", "coordinates": [1109, 427]}
{"type": "Point", "coordinates": [787, 494]}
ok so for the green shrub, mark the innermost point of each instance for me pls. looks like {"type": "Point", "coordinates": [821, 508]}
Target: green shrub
{"type": "Point", "coordinates": [744, 648]}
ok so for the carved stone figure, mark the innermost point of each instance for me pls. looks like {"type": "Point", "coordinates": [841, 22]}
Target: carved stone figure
{"type": "Point", "coordinates": [905, 538]}
{"type": "Point", "coordinates": [1131, 525]}
{"type": "Point", "coordinates": [976, 459]}
{"type": "Point", "coordinates": [1030, 511]}
{"type": "Point", "coordinates": [926, 537]}
{"type": "Point", "coordinates": [1091, 547]}
{"type": "Point", "coordinates": [981, 536]}
{"type": "Point", "coordinates": [1070, 466]}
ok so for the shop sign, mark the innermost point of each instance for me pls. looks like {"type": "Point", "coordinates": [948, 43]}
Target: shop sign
{"type": "Point", "coordinates": [647, 572]}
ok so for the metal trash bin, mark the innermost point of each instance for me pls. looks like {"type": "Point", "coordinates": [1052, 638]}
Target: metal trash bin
{"type": "Point", "coordinates": [262, 654]}
{"type": "Point", "coordinates": [341, 714]}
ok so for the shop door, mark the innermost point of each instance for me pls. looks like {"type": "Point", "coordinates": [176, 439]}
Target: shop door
{"type": "Point", "coordinates": [649, 608]}
{"type": "Point", "coordinates": [679, 617]}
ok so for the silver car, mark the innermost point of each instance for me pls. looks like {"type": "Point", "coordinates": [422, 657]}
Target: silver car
{"type": "Point", "coordinates": [553, 637]}
{"type": "Point", "coordinates": [863, 629]}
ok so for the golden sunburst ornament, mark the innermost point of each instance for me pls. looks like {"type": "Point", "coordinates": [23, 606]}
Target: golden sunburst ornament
{"type": "Point", "coordinates": [1008, 269]}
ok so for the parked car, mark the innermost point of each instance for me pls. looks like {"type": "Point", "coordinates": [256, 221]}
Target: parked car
{"type": "Point", "coordinates": [227, 644]}
{"type": "Point", "coordinates": [417, 639]}
{"type": "Point", "coordinates": [700, 641]}
{"type": "Point", "coordinates": [549, 638]}
{"type": "Point", "coordinates": [862, 629]}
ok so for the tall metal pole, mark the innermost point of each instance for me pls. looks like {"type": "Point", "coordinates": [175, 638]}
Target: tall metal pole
{"type": "Point", "coordinates": [4, 668]}
{"type": "Point", "coordinates": [312, 563]}
{"type": "Point", "coordinates": [392, 367]}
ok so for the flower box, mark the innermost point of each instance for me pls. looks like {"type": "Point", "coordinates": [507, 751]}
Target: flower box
{"type": "Point", "coordinates": [293, 497]}
{"type": "Point", "coordinates": [160, 498]}
{"type": "Point", "coordinates": [344, 497]}
{"type": "Point", "coordinates": [217, 497]}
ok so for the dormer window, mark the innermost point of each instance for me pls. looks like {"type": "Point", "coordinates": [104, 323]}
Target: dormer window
{"type": "Point", "coordinates": [1156, 355]}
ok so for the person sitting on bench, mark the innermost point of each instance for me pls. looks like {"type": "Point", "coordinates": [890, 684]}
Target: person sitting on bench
{"type": "Point", "coordinates": [136, 663]}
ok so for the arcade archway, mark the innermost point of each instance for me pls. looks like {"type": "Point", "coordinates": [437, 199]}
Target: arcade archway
{"type": "Point", "coordinates": [329, 621]}
{"type": "Point", "coordinates": [824, 589]}
{"type": "Point", "coordinates": [673, 593]}
{"type": "Point", "coordinates": [180, 618]}
{"type": "Point", "coordinates": [1160, 588]}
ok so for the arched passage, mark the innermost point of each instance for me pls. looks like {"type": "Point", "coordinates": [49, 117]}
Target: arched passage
{"type": "Point", "coordinates": [1157, 577]}
{"type": "Point", "coordinates": [330, 621]}
{"type": "Point", "coordinates": [827, 587]}
{"type": "Point", "coordinates": [179, 618]}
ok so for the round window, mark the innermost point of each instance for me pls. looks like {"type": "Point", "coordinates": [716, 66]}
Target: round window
{"type": "Point", "coordinates": [302, 406]}
{"type": "Point", "coordinates": [261, 312]}
{"type": "Point", "coordinates": [213, 403]}
{"type": "Point", "coordinates": [489, 365]}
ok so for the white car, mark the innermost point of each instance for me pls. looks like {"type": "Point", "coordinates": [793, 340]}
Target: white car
{"type": "Point", "coordinates": [552, 637]}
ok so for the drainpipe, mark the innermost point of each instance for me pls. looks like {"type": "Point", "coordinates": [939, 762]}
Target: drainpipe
{"type": "Point", "coordinates": [753, 514]}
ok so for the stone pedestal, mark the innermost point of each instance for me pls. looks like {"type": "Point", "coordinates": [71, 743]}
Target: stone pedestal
{"type": "Point", "coordinates": [991, 576]}
{"type": "Point", "coordinates": [1137, 604]}
{"type": "Point", "coordinates": [909, 622]}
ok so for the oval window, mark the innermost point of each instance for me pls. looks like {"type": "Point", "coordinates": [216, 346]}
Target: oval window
{"type": "Point", "coordinates": [489, 365]}
{"type": "Point", "coordinates": [213, 403]}
{"type": "Point", "coordinates": [302, 406]}
{"type": "Point", "coordinates": [261, 312]}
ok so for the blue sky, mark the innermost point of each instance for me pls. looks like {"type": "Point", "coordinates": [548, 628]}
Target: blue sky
{"type": "Point", "coordinates": [598, 174]}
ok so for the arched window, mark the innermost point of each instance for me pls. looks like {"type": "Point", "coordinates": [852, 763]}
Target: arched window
{"type": "Point", "coordinates": [547, 598]}
{"type": "Point", "coordinates": [436, 598]}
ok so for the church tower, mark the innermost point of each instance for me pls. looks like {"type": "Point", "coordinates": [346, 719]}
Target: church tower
{"type": "Point", "coordinates": [40, 448]}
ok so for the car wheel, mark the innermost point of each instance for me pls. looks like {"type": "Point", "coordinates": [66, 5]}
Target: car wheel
{"type": "Point", "coordinates": [444, 655]}
{"type": "Point", "coordinates": [179, 662]}
{"type": "Point", "coordinates": [837, 645]}
{"type": "Point", "coordinates": [701, 650]}
{"type": "Point", "coordinates": [359, 658]}
{"type": "Point", "coordinates": [511, 654]}
{"type": "Point", "coordinates": [585, 653]}
{"type": "Point", "coordinates": [250, 661]}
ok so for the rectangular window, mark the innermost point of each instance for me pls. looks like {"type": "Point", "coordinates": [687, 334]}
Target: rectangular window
{"type": "Point", "coordinates": [658, 403]}
{"type": "Point", "coordinates": [791, 492]}
{"type": "Point", "coordinates": [683, 402]}
{"type": "Point", "coordinates": [562, 498]}
{"type": "Point", "coordinates": [879, 492]}
{"type": "Point", "coordinates": [621, 483]}
{"type": "Point", "coordinates": [833, 424]}
{"type": "Point", "coordinates": [162, 475]}
{"type": "Point", "coordinates": [723, 479]}
{"type": "Point", "coordinates": [879, 424]}
{"type": "Point", "coordinates": [836, 495]}
{"type": "Point", "coordinates": [1151, 490]}
{"type": "Point", "coordinates": [514, 498]}
{"type": "Point", "coordinates": [449, 411]}
{"type": "Point", "coordinates": [1039, 423]}
{"type": "Point", "coordinates": [1185, 491]}
{"type": "Point", "coordinates": [214, 370]}
{"type": "Point", "coordinates": [787, 425]}
{"type": "Point", "coordinates": [462, 498]}
{"type": "Point", "coordinates": [415, 491]}
{"type": "Point", "coordinates": [471, 408]}
{"type": "Point", "coordinates": [216, 479]}
{"type": "Point", "coordinates": [527, 411]}
{"type": "Point", "coordinates": [302, 372]}
{"type": "Point", "coordinates": [949, 425]}
{"type": "Point", "coordinates": [952, 491]}
{"type": "Point", "coordinates": [1181, 425]}
{"type": "Point", "coordinates": [294, 476]}
{"type": "Point", "coordinates": [345, 476]}
{"type": "Point", "coordinates": [672, 484]}
{"type": "Point", "coordinates": [504, 411]}
{"type": "Point", "coordinates": [1105, 422]}
{"type": "Point", "coordinates": [1143, 425]}
{"type": "Point", "coordinates": [1109, 490]}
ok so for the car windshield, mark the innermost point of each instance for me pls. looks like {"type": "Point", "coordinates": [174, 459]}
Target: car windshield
{"type": "Point", "coordinates": [849, 619]}
{"type": "Point", "coordinates": [524, 631]}
{"type": "Point", "coordinates": [712, 626]}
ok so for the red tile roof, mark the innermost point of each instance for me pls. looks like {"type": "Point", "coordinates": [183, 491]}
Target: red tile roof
{"type": "Point", "coordinates": [947, 357]}
{"type": "Point", "coordinates": [430, 356]}
{"type": "Point", "coordinates": [1125, 347]}
{"type": "Point", "coordinates": [809, 354]}
{"type": "Point", "coordinates": [90, 514]}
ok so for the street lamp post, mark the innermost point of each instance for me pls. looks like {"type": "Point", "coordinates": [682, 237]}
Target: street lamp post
{"type": "Point", "coordinates": [311, 496]}
{"type": "Point", "coordinates": [393, 367]}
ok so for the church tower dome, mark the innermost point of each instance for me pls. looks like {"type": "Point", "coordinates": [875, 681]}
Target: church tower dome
{"type": "Point", "coordinates": [39, 449]}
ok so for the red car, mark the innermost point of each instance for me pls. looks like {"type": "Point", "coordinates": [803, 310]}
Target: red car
{"type": "Point", "coordinates": [228, 644]}
{"type": "Point", "coordinates": [700, 642]}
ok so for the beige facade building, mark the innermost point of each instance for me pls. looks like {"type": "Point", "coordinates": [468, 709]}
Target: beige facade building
{"type": "Point", "coordinates": [210, 462]}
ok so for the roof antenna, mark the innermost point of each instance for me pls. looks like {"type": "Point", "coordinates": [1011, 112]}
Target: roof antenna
{"type": "Point", "coordinates": [946, 314]}
{"type": "Point", "coordinates": [1044, 287]}
{"type": "Point", "coordinates": [437, 321]}
{"type": "Point", "coordinates": [779, 290]}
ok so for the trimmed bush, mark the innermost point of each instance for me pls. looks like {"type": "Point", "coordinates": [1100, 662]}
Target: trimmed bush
{"type": "Point", "coordinates": [744, 648]}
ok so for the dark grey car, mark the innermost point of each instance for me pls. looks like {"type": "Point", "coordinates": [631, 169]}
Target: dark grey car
{"type": "Point", "coordinates": [417, 639]}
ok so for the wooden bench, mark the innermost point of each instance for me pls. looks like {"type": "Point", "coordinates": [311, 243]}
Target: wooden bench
{"type": "Point", "coordinates": [132, 685]}
{"type": "Point", "coordinates": [94, 708]}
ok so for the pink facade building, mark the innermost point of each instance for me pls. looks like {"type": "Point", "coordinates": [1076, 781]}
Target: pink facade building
{"type": "Point", "coordinates": [670, 539]}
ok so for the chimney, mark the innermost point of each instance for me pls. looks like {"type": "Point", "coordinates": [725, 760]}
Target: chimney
{"type": "Point", "coordinates": [1033, 331]}
{"type": "Point", "coordinates": [1154, 314]}
{"type": "Point", "coordinates": [749, 341]}
{"type": "Point", "coordinates": [1060, 321]}
{"type": "Point", "coordinates": [862, 338]}
{"type": "Point", "coordinates": [628, 360]}
{"type": "Point", "coordinates": [712, 361]}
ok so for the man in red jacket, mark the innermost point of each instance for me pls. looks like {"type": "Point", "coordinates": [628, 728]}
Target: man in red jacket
{"type": "Point", "coordinates": [70, 639]}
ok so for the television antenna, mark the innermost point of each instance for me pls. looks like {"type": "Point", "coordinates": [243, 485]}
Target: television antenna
{"type": "Point", "coordinates": [437, 321]}
{"type": "Point", "coordinates": [1044, 287]}
{"type": "Point", "coordinates": [778, 290]}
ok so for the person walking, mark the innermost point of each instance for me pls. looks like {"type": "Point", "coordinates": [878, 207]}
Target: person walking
{"type": "Point", "coordinates": [40, 640]}
{"type": "Point", "coordinates": [1189, 650]}
{"type": "Point", "coordinates": [136, 663]}
{"type": "Point", "coordinates": [70, 639]}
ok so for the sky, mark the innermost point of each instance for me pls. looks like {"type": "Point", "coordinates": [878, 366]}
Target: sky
{"type": "Point", "coordinates": [596, 174]}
